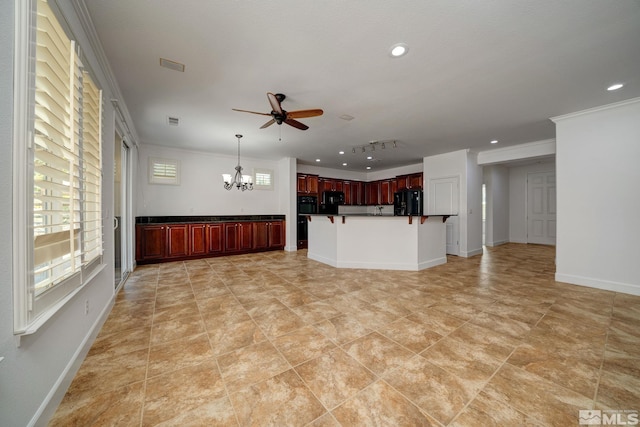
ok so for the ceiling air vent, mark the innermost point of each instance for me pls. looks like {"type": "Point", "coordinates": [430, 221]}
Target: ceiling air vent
{"type": "Point", "coordinates": [173, 121]}
{"type": "Point", "coordinates": [172, 65]}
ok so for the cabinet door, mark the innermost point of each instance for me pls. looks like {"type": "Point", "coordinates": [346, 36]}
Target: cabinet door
{"type": "Point", "coordinates": [150, 242]}
{"type": "Point", "coordinates": [312, 184]}
{"type": "Point", "coordinates": [215, 236]}
{"type": "Point", "coordinates": [387, 188]}
{"type": "Point", "coordinates": [260, 235]}
{"type": "Point", "coordinates": [326, 184]}
{"type": "Point", "coordinates": [301, 183]}
{"type": "Point", "coordinates": [276, 234]}
{"type": "Point", "coordinates": [346, 187]}
{"type": "Point", "coordinates": [245, 234]}
{"type": "Point", "coordinates": [372, 193]}
{"type": "Point", "coordinates": [415, 181]}
{"type": "Point", "coordinates": [338, 185]}
{"type": "Point", "coordinates": [402, 182]}
{"type": "Point", "coordinates": [177, 240]}
{"type": "Point", "coordinates": [357, 193]}
{"type": "Point", "coordinates": [197, 239]}
{"type": "Point", "coordinates": [231, 237]}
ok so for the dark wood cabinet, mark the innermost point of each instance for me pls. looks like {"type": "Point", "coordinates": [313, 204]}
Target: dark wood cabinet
{"type": "Point", "coordinates": [330, 184]}
{"type": "Point", "coordinates": [159, 242]}
{"type": "Point", "coordinates": [415, 181]}
{"type": "Point", "coordinates": [150, 242]}
{"type": "Point", "coordinates": [198, 239]}
{"type": "Point", "coordinates": [307, 184]}
{"type": "Point", "coordinates": [268, 234]}
{"type": "Point", "coordinates": [238, 236]}
{"type": "Point", "coordinates": [177, 240]}
{"type": "Point", "coordinates": [387, 188]}
{"type": "Point", "coordinates": [215, 234]}
{"type": "Point", "coordinates": [410, 182]}
{"type": "Point", "coordinates": [372, 193]}
{"type": "Point", "coordinates": [276, 234]}
{"type": "Point", "coordinates": [260, 235]}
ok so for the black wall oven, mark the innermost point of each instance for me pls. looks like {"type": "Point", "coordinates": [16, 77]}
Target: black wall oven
{"type": "Point", "coordinates": [306, 205]}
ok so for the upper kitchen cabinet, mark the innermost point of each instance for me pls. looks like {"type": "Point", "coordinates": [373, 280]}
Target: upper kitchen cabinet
{"type": "Point", "coordinates": [353, 194]}
{"type": "Point", "coordinates": [409, 182]}
{"type": "Point", "coordinates": [372, 193]}
{"type": "Point", "coordinates": [387, 188]}
{"type": "Point", "coordinates": [330, 184]}
{"type": "Point", "coordinates": [307, 184]}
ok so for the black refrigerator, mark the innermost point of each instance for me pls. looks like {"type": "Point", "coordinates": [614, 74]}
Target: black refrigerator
{"type": "Point", "coordinates": [407, 203]}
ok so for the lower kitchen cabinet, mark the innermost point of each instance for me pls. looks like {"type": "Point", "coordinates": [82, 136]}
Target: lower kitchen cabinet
{"type": "Point", "coordinates": [150, 242]}
{"type": "Point", "coordinates": [160, 242]}
{"type": "Point", "coordinates": [198, 239]}
{"type": "Point", "coordinates": [238, 236]}
{"type": "Point", "coordinates": [177, 240]}
{"type": "Point", "coordinates": [215, 238]}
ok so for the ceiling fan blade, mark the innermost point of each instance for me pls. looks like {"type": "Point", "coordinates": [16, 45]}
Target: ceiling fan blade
{"type": "Point", "coordinates": [296, 124]}
{"type": "Point", "coordinates": [269, 123]}
{"type": "Point", "coordinates": [252, 112]}
{"type": "Point", "coordinates": [301, 114]}
{"type": "Point", "coordinates": [275, 104]}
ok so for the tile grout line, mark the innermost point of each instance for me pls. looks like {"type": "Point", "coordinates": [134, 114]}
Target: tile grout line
{"type": "Point", "coordinates": [146, 370]}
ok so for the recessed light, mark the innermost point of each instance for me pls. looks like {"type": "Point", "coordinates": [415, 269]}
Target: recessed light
{"type": "Point", "coordinates": [368, 167]}
{"type": "Point", "coordinates": [615, 86]}
{"type": "Point", "coordinates": [317, 160]}
{"type": "Point", "coordinates": [495, 141]}
{"type": "Point", "coordinates": [346, 117]}
{"type": "Point", "coordinates": [369, 157]}
{"type": "Point", "coordinates": [398, 50]}
{"type": "Point", "coordinates": [344, 164]}
{"type": "Point", "coordinates": [341, 152]}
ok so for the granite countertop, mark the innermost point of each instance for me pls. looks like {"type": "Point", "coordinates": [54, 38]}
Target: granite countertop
{"type": "Point", "coordinates": [206, 218]}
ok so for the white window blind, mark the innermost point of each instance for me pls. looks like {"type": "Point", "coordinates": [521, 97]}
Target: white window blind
{"type": "Point", "coordinates": [66, 223]}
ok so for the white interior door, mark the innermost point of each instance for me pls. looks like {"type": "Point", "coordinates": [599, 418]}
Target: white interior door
{"type": "Point", "coordinates": [541, 208]}
{"type": "Point", "coordinates": [453, 236]}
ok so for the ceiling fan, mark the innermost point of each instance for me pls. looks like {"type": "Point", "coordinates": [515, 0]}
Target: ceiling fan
{"type": "Point", "coordinates": [280, 116]}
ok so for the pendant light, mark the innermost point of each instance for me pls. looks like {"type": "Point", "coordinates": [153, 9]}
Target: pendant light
{"type": "Point", "coordinates": [240, 181]}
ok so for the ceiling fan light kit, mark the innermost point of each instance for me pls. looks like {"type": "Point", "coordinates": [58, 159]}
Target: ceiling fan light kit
{"type": "Point", "coordinates": [240, 181]}
{"type": "Point", "coordinates": [279, 116]}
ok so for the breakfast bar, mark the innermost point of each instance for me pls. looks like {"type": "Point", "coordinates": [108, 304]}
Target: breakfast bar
{"type": "Point", "coordinates": [379, 242]}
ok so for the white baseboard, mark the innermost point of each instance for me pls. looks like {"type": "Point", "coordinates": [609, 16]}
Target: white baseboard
{"type": "Point", "coordinates": [498, 243]}
{"type": "Point", "coordinates": [518, 240]}
{"type": "Point", "coordinates": [607, 285]}
{"type": "Point", "coordinates": [59, 389]}
{"type": "Point", "coordinates": [471, 253]}
{"type": "Point", "coordinates": [324, 260]}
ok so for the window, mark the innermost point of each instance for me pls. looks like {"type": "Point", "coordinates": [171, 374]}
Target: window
{"type": "Point", "coordinates": [263, 179]}
{"type": "Point", "coordinates": [164, 171]}
{"type": "Point", "coordinates": [59, 170]}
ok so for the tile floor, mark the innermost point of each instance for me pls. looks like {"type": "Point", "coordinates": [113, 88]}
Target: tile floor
{"type": "Point", "coordinates": [277, 339]}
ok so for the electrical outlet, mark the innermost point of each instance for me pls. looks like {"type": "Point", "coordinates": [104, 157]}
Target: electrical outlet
{"type": "Point", "coordinates": [86, 307]}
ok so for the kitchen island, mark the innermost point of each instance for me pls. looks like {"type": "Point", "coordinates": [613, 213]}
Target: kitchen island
{"type": "Point", "coordinates": [380, 242]}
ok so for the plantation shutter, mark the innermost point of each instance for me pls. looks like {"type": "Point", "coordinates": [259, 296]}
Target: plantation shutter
{"type": "Point", "coordinates": [92, 161]}
{"type": "Point", "coordinates": [67, 225]}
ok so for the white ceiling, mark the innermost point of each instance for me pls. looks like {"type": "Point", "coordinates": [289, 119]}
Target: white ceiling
{"type": "Point", "coordinates": [475, 71]}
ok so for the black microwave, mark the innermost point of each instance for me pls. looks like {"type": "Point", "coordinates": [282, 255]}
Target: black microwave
{"type": "Point", "coordinates": [333, 198]}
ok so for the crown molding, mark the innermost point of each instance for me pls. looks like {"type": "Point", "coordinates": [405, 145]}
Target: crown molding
{"type": "Point", "coordinates": [596, 109]}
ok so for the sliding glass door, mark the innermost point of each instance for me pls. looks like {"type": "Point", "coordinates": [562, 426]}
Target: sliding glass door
{"type": "Point", "coordinates": [121, 219]}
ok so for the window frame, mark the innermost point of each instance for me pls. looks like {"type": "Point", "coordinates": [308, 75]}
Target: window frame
{"type": "Point", "coordinates": [163, 180]}
{"type": "Point", "coordinates": [263, 171]}
{"type": "Point", "coordinates": [32, 309]}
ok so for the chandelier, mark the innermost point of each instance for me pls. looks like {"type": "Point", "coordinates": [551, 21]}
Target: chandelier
{"type": "Point", "coordinates": [240, 181]}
